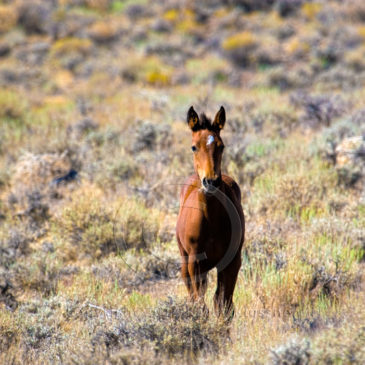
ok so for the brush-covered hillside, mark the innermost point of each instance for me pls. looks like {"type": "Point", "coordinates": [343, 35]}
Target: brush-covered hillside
{"type": "Point", "coordinates": [94, 148]}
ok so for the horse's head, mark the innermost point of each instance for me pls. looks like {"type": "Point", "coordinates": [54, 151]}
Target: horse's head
{"type": "Point", "coordinates": [207, 147]}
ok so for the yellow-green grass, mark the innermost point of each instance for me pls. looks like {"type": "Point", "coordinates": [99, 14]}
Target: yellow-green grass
{"type": "Point", "coordinates": [104, 255]}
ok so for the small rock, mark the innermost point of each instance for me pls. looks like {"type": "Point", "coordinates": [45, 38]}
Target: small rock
{"type": "Point", "coordinates": [48, 247]}
{"type": "Point", "coordinates": [83, 126]}
{"type": "Point", "coordinates": [32, 54]}
{"type": "Point", "coordinates": [288, 7]}
{"type": "Point", "coordinates": [70, 176]}
{"type": "Point", "coordinates": [103, 32]}
{"type": "Point", "coordinates": [350, 150]}
{"type": "Point", "coordinates": [4, 49]}
{"type": "Point", "coordinates": [162, 26]}
{"type": "Point", "coordinates": [33, 16]}
{"type": "Point", "coordinates": [135, 11]}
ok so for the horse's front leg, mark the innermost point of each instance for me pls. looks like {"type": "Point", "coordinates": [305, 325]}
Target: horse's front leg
{"type": "Point", "coordinates": [186, 276]}
{"type": "Point", "coordinates": [198, 276]}
{"type": "Point", "coordinates": [223, 298]}
{"type": "Point", "coordinates": [184, 269]}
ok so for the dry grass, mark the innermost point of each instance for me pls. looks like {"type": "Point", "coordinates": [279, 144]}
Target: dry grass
{"type": "Point", "coordinates": [88, 259]}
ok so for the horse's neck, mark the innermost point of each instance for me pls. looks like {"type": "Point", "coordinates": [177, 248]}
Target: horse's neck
{"type": "Point", "coordinates": [211, 205]}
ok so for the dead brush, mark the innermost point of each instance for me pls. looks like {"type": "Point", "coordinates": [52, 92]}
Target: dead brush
{"type": "Point", "coordinates": [12, 106]}
{"type": "Point", "coordinates": [294, 196]}
{"type": "Point", "coordinates": [172, 328]}
{"type": "Point", "coordinates": [36, 209]}
{"type": "Point", "coordinates": [6, 296]}
{"type": "Point", "coordinates": [87, 262]}
{"type": "Point", "coordinates": [39, 170]}
{"type": "Point", "coordinates": [38, 277]}
{"type": "Point", "coordinates": [281, 291]}
{"type": "Point", "coordinates": [318, 110]}
{"type": "Point", "coordinates": [34, 16]}
{"type": "Point", "coordinates": [31, 183]}
{"type": "Point", "coordinates": [295, 351]}
{"type": "Point", "coordinates": [12, 246]}
{"type": "Point", "coordinates": [342, 344]}
{"type": "Point", "coordinates": [325, 283]}
{"type": "Point", "coordinates": [134, 274]}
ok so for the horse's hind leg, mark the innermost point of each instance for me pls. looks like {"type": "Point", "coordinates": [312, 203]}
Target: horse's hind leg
{"type": "Point", "coordinates": [226, 283]}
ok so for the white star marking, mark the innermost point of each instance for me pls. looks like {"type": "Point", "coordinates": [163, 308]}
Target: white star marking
{"type": "Point", "coordinates": [210, 140]}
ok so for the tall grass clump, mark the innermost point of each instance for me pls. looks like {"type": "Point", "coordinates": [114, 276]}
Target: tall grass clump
{"type": "Point", "coordinates": [95, 226]}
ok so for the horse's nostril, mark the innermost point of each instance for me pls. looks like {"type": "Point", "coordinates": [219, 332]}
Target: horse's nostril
{"type": "Point", "coordinates": [206, 182]}
{"type": "Point", "coordinates": [216, 182]}
{"type": "Point", "coordinates": [209, 183]}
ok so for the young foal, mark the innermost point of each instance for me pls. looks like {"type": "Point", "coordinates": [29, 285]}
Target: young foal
{"type": "Point", "coordinates": [210, 226]}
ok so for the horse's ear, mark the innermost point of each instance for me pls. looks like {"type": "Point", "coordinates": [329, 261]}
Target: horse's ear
{"type": "Point", "coordinates": [220, 119]}
{"type": "Point", "coordinates": [193, 119]}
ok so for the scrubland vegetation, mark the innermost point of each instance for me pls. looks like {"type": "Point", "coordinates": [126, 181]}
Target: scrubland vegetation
{"type": "Point", "coordinates": [98, 90]}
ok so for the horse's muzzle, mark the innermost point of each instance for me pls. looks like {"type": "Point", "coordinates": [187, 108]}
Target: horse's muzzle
{"type": "Point", "coordinates": [210, 185]}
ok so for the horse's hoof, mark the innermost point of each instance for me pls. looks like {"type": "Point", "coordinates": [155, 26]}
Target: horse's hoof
{"type": "Point", "coordinates": [229, 316]}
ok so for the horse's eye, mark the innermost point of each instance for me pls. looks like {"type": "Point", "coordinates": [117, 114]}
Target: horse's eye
{"type": "Point", "coordinates": [193, 148]}
{"type": "Point", "coordinates": [222, 147]}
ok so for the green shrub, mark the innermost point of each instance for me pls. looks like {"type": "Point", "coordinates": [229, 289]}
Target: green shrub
{"type": "Point", "coordinates": [13, 106]}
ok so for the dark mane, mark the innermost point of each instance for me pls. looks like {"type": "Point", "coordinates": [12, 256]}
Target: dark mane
{"type": "Point", "coordinates": [205, 122]}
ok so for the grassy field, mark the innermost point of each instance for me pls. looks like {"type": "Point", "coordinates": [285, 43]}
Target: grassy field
{"type": "Point", "coordinates": [98, 90]}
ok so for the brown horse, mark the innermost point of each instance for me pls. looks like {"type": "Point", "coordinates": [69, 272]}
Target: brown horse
{"type": "Point", "coordinates": [210, 227]}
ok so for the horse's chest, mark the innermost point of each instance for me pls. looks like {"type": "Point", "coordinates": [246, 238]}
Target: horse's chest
{"type": "Point", "coordinates": [204, 223]}
{"type": "Point", "coordinates": [217, 228]}
{"type": "Point", "coordinates": [208, 229]}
